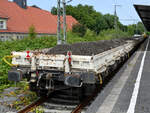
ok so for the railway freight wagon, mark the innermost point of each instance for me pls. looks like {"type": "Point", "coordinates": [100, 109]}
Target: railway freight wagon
{"type": "Point", "coordinates": [71, 66]}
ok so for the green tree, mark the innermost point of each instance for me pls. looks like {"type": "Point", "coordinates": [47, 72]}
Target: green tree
{"type": "Point", "coordinates": [100, 23]}
{"type": "Point", "coordinates": [132, 29]}
{"type": "Point", "coordinates": [54, 11]}
{"type": "Point", "coordinates": [109, 20]}
{"type": "Point", "coordinates": [136, 28]}
{"type": "Point", "coordinates": [87, 16]}
{"type": "Point", "coordinates": [140, 28]}
{"type": "Point", "coordinates": [32, 32]}
{"type": "Point", "coordinates": [92, 19]}
{"type": "Point", "coordinates": [79, 29]}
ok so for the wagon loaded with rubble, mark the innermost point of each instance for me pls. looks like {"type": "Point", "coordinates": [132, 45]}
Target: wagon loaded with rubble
{"type": "Point", "coordinates": [71, 66]}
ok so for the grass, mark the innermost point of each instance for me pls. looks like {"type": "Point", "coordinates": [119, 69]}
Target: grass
{"type": "Point", "coordinates": [23, 95]}
{"type": "Point", "coordinates": [91, 36]}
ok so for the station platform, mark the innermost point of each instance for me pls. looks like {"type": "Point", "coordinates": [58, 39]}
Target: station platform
{"type": "Point", "coordinates": [129, 89]}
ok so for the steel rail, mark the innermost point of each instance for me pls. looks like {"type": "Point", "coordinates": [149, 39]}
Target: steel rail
{"type": "Point", "coordinates": [83, 104]}
{"type": "Point", "coordinates": [33, 105]}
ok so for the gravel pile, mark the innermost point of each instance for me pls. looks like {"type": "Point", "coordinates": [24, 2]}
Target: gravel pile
{"type": "Point", "coordinates": [87, 48]}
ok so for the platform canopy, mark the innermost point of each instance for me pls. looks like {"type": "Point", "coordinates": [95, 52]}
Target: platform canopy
{"type": "Point", "coordinates": [144, 13]}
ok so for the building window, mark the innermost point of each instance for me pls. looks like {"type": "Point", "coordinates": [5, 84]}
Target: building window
{"type": "Point", "coordinates": [17, 37]}
{"type": "Point", "coordinates": [2, 38]}
{"type": "Point", "coordinates": [6, 37]}
{"type": "Point", "coordinates": [1, 24]}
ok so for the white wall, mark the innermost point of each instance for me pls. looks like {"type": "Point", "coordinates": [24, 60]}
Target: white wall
{"type": "Point", "coordinates": [14, 36]}
{"type": "Point", "coordinates": [5, 22]}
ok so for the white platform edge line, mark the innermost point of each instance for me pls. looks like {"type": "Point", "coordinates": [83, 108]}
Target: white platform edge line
{"type": "Point", "coordinates": [133, 100]}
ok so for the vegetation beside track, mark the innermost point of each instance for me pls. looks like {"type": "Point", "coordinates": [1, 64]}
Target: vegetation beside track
{"type": "Point", "coordinates": [19, 97]}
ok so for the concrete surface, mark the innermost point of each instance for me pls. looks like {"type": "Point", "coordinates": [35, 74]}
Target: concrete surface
{"type": "Point", "coordinates": [129, 90]}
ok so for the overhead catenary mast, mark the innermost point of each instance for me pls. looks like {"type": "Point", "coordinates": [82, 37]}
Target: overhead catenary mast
{"type": "Point", "coordinates": [59, 41]}
{"type": "Point", "coordinates": [115, 14]}
{"type": "Point", "coordinates": [64, 21]}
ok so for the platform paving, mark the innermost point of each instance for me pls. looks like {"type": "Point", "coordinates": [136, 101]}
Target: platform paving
{"type": "Point", "coordinates": [129, 90]}
{"type": "Point", "coordinates": [143, 99]}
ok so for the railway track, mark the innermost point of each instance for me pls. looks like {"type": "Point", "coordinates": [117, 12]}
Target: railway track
{"type": "Point", "coordinates": [76, 109]}
{"type": "Point", "coordinates": [33, 105]}
{"type": "Point", "coordinates": [86, 102]}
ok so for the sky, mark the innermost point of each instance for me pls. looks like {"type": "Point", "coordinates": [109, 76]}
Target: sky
{"type": "Point", "coordinates": [125, 11]}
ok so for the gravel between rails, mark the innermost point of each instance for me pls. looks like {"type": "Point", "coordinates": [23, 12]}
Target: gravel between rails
{"type": "Point", "coordinates": [88, 48]}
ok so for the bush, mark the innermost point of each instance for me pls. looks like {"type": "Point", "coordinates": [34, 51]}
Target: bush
{"type": "Point", "coordinates": [73, 38]}
{"type": "Point", "coordinates": [32, 32]}
{"type": "Point", "coordinates": [90, 35]}
{"type": "Point", "coordinates": [79, 29]}
{"type": "Point", "coordinates": [111, 34]}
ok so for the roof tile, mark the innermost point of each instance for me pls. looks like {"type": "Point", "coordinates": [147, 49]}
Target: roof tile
{"type": "Point", "coordinates": [19, 19]}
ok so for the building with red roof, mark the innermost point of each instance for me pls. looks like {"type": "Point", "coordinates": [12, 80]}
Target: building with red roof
{"type": "Point", "coordinates": [16, 18]}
